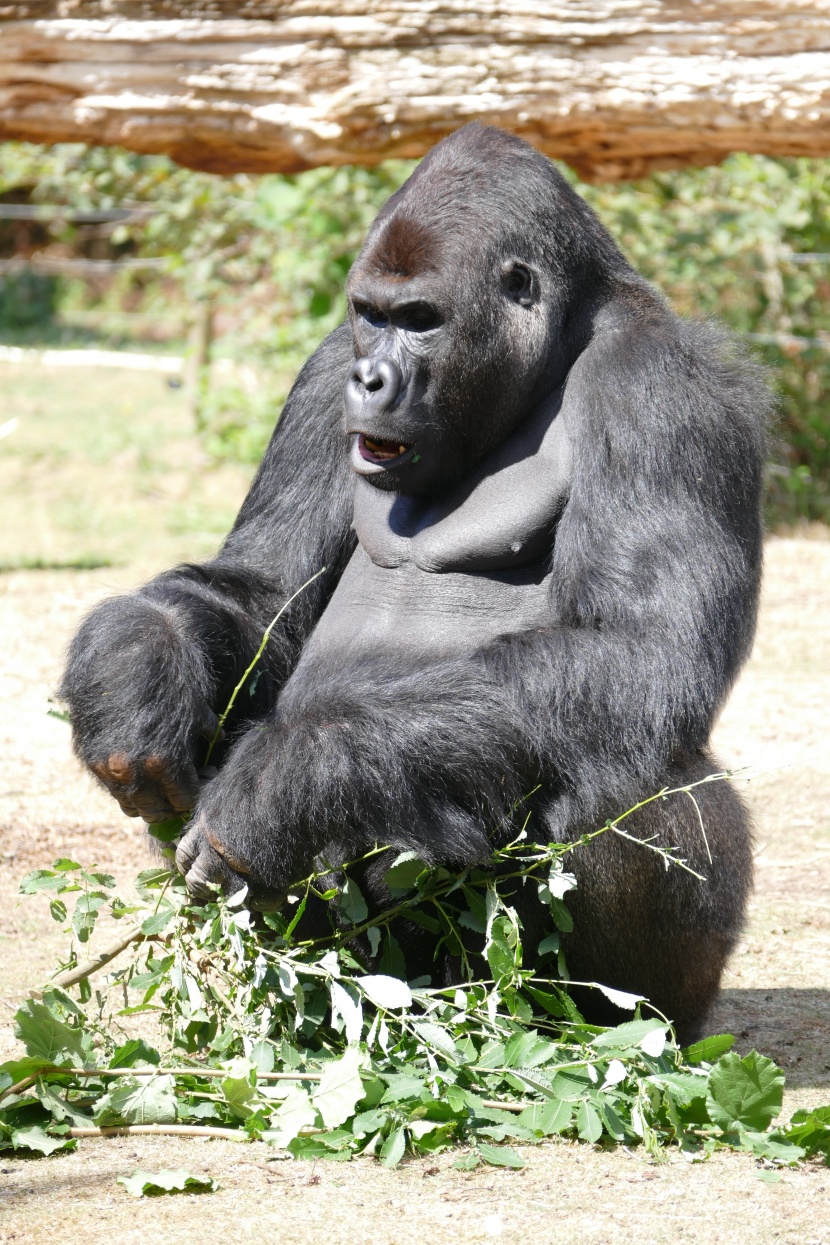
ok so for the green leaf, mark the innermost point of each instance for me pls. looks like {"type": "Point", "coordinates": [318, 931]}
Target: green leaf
{"type": "Point", "coordinates": [44, 880]}
{"type": "Point", "coordinates": [745, 1092]}
{"type": "Point", "coordinates": [295, 1113]}
{"type": "Point", "coordinates": [333, 1147]}
{"type": "Point", "coordinates": [21, 1069]}
{"type": "Point", "coordinates": [86, 912]}
{"type": "Point", "coordinates": [528, 1050]}
{"type": "Point", "coordinates": [588, 1123]}
{"type": "Point", "coordinates": [386, 992]}
{"type": "Point", "coordinates": [403, 1085]}
{"type": "Point", "coordinates": [392, 960]}
{"type": "Point", "coordinates": [239, 1087]}
{"type": "Point", "coordinates": [683, 1086]}
{"type": "Point", "coordinates": [562, 918]}
{"type": "Point", "coordinates": [262, 1057]}
{"type": "Point", "coordinates": [61, 1109]}
{"type": "Point", "coordinates": [98, 879]}
{"type": "Point", "coordinates": [351, 903]}
{"type": "Point", "coordinates": [393, 1148]}
{"type": "Point", "coordinates": [158, 921]}
{"type": "Point", "coordinates": [549, 945]}
{"type": "Point", "coordinates": [810, 1129]}
{"type": "Point", "coordinates": [500, 1156]}
{"type": "Point", "coordinates": [167, 831]}
{"type": "Point", "coordinates": [709, 1050]}
{"type": "Point", "coordinates": [621, 998]}
{"type": "Point", "coordinates": [36, 1138]}
{"type": "Point", "coordinates": [151, 1101]}
{"type": "Point", "coordinates": [340, 1089]}
{"type": "Point", "coordinates": [155, 1184]}
{"type": "Point", "coordinates": [135, 1051]}
{"type": "Point", "coordinates": [628, 1036]}
{"type": "Point", "coordinates": [436, 1037]}
{"type": "Point", "coordinates": [46, 1037]}
{"type": "Point", "coordinates": [404, 872]}
{"type": "Point", "coordinates": [57, 910]}
{"type": "Point", "coordinates": [548, 1118]}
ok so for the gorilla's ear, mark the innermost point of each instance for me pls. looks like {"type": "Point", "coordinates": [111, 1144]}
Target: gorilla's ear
{"type": "Point", "coordinates": [520, 283]}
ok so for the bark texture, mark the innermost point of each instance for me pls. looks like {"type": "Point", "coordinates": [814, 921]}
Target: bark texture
{"type": "Point", "coordinates": [617, 88]}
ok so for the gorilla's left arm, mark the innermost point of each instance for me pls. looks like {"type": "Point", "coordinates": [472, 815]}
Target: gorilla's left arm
{"type": "Point", "coordinates": [656, 569]}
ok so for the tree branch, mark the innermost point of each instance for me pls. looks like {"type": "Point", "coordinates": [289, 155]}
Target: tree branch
{"type": "Point", "coordinates": [613, 88]}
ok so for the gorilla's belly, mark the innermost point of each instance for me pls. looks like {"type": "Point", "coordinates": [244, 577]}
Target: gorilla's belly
{"type": "Point", "coordinates": [407, 610]}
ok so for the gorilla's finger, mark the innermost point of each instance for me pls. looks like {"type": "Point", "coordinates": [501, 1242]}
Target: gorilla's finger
{"type": "Point", "coordinates": [208, 724]}
{"type": "Point", "coordinates": [189, 849]}
{"type": "Point", "coordinates": [233, 862]}
{"type": "Point", "coordinates": [180, 785]}
{"type": "Point", "coordinates": [120, 768]}
{"type": "Point", "coordinates": [117, 791]}
{"type": "Point", "coordinates": [152, 805]}
{"type": "Point", "coordinates": [209, 870]}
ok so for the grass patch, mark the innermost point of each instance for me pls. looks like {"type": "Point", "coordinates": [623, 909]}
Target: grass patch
{"type": "Point", "coordinates": [89, 563]}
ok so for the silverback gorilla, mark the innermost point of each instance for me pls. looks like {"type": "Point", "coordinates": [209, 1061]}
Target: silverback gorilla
{"type": "Point", "coordinates": [535, 492]}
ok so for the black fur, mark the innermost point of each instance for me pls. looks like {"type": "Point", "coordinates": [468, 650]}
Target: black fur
{"type": "Point", "coordinates": [648, 585]}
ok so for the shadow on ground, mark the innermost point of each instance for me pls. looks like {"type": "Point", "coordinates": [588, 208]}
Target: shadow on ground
{"type": "Point", "coordinates": [790, 1026]}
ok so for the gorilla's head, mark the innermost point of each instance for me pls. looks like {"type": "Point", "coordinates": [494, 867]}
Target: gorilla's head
{"type": "Point", "coordinates": [472, 296]}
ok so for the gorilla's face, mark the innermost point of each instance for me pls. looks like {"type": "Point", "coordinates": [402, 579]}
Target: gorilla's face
{"type": "Point", "coordinates": [454, 327]}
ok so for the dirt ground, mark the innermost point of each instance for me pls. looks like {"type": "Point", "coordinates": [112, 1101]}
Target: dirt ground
{"type": "Point", "coordinates": [776, 996]}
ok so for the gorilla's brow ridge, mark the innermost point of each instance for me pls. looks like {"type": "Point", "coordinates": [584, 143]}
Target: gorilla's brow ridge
{"type": "Point", "coordinates": [406, 248]}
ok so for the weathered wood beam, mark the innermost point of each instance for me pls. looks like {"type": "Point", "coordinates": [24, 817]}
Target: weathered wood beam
{"type": "Point", "coordinates": [617, 88]}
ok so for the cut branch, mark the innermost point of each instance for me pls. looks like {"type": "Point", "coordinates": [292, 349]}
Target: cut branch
{"type": "Point", "coordinates": [163, 1130]}
{"type": "Point", "coordinates": [617, 89]}
{"type": "Point", "coordinates": [73, 975]}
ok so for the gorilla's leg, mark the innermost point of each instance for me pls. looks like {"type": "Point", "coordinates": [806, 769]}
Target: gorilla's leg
{"type": "Point", "coordinates": [658, 931]}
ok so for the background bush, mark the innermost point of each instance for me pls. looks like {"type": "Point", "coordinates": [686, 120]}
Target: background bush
{"type": "Point", "coordinates": [271, 253]}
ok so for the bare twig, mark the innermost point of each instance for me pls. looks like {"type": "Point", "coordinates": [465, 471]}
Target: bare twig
{"type": "Point", "coordinates": [206, 1072]}
{"type": "Point", "coordinates": [163, 1130]}
{"type": "Point", "coordinates": [73, 975]}
{"type": "Point", "coordinates": [265, 638]}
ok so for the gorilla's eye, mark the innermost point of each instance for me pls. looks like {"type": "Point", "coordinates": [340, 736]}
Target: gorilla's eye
{"type": "Point", "coordinates": [373, 315]}
{"type": "Point", "coordinates": [418, 318]}
{"type": "Point", "coordinates": [518, 283]}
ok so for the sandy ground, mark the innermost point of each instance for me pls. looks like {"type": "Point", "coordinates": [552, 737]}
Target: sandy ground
{"type": "Point", "coordinates": [776, 993]}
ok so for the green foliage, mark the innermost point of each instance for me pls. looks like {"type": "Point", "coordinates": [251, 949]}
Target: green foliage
{"type": "Point", "coordinates": [156, 1184]}
{"type": "Point", "coordinates": [26, 299]}
{"type": "Point", "coordinates": [720, 241]}
{"type": "Point", "coordinates": [272, 254]}
{"type": "Point", "coordinates": [811, 1131]}
{"type": "Point", "coordinates": [316, 1047]}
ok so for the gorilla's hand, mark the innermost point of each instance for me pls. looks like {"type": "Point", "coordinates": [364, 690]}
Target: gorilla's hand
{"type": "Point", "coordinates": [137, 687]}
{"type": "Point", "coordinates": [267, 814]}
{"type": "Point", "coordinates": [235, 837]}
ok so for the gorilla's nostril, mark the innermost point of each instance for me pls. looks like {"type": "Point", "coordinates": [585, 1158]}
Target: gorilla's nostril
{"type": "Point", "coordinates": [374, 379]}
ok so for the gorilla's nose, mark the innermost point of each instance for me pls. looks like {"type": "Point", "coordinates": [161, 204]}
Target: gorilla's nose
{"type": "Point", "coordinates": [372, 388]}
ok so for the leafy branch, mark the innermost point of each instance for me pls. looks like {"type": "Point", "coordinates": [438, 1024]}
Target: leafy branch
{"type": "Point", "coordinates": [323, 1047]}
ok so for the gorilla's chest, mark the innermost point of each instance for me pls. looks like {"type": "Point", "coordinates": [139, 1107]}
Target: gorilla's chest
{"type": "Point", "coordinates": [449, 576]}
{"type": "Point", "coordinates": [404, 608]}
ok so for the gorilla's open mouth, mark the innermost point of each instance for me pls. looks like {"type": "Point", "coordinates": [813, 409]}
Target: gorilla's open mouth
{"type": "Point", "coordinates": [379, 450]}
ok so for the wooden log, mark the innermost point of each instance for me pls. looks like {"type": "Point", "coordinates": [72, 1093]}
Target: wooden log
{"type": "Point", "coordinates": [617, 88]}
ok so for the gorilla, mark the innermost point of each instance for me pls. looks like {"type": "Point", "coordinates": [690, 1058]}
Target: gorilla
{"type": "Point", "coordinates": [535, 492]}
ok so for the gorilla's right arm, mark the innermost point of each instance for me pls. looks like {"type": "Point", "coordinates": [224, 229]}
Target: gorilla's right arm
{"type": "Point", "coordinates": [149, 672]}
